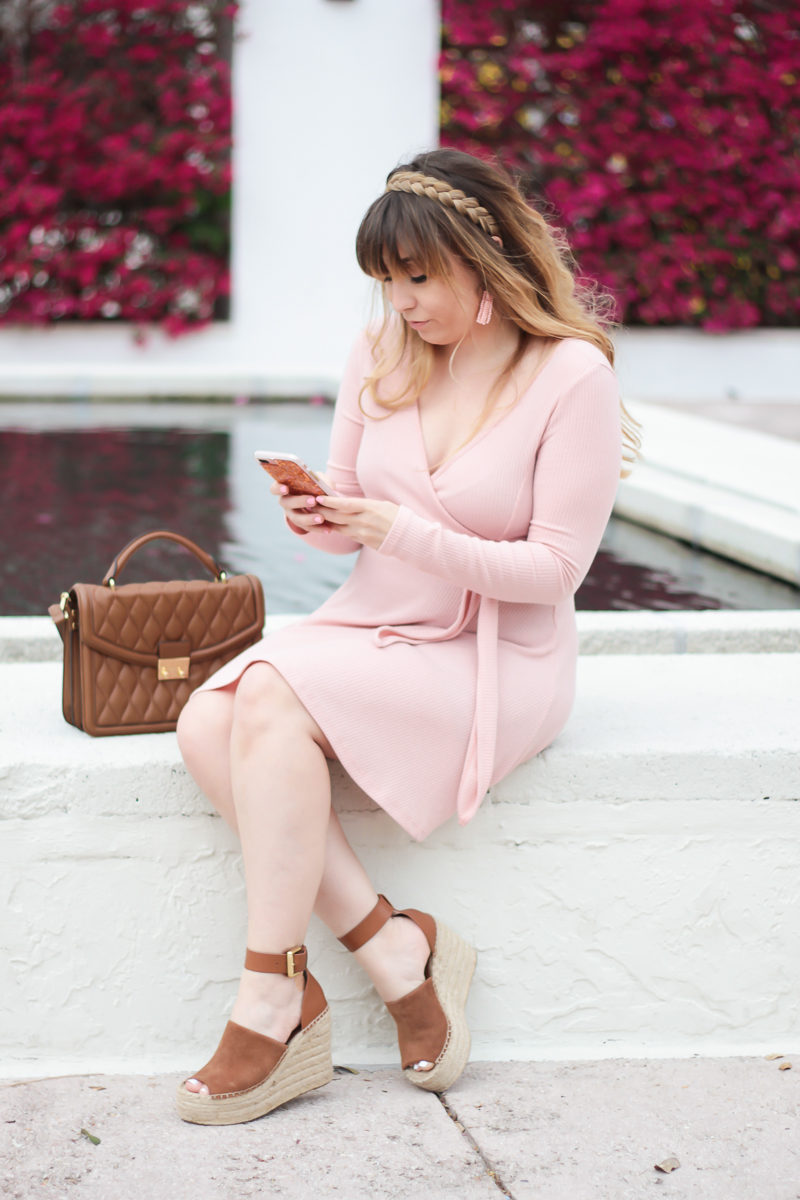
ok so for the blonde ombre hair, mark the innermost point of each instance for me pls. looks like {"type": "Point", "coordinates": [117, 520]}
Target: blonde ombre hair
{"type": "Point", "coordinates": [446, 203]}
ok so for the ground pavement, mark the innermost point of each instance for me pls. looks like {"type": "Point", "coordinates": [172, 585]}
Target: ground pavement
{"type": "Point", "coordinates": [531, 1131]}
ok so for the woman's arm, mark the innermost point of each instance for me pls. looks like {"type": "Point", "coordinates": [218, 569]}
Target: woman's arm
{"type": "Point", "coordinates": [574, 484]}
{"type": "Point", "coordinates": [346, 431]}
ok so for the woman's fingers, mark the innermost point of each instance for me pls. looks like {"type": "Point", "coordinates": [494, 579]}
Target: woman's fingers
{"type": "Point", "coordinates": [336, 517]}
{"type": "Point", "coordinates": [345, 506]}
{"type": "Point", "coordinates": [293, 503]}
{"type": "Point", "coordinates": [304, 518]}
{"type": "Point", "coordinates": [366, 521]}
{"type": "Point", "coordinates": [301, 510]}
{"type": "Point", "coordinates": [342, 512]}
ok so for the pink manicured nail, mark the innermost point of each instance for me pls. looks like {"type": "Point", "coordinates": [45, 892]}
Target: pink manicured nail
{"type": "Point", "coordinates": [284, 490]}
{"type": "Point", "coordinates": [310, 502]}
{"type": "Point", "coordinates": [318, 520]}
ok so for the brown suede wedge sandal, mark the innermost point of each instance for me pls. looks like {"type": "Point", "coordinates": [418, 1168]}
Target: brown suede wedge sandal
{"type": "Point", "coordinates": [431, 1025]}
{"type": "Point", "coordinates": [251, 1074]}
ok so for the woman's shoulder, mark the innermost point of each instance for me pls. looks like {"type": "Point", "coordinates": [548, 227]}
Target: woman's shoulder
{"type": "Point", "coordinates": [560, 365]}
{"type": "Point", "coordinates": [573, 356]}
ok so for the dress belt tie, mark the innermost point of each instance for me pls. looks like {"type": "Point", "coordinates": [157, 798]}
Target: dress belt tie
{"type": "Point", "coordinates": [476, 774]}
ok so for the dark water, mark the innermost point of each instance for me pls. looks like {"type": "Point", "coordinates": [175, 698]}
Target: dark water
{"type": "Point", "coordinates": [72, 497]}
{"type": "Point", "coordinates": [71, 500]}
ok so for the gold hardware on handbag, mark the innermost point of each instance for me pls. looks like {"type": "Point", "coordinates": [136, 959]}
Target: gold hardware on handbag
{"type": "Point", "coordinates": [134, 652]}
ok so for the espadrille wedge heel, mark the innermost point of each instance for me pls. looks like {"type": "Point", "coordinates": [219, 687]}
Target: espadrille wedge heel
{"type": "Point", "coordinates": [431, 1024]}
{"type": "Point", "coordinates": [250, 1074]}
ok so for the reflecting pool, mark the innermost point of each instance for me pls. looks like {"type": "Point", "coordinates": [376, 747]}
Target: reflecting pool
{"type": "Point", "coordinates": [79, 480]}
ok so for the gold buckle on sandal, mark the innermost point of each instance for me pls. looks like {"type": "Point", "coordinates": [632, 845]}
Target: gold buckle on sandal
{"type": "Point", "coordinates": [290, 968]}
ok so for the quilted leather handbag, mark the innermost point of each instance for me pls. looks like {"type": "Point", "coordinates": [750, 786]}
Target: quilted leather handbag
{"type": "Point", "coordinates": [134, 653]}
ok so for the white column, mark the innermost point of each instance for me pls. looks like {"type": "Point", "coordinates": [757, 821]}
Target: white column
{"type": "Point", "coordinates": [329, 95]}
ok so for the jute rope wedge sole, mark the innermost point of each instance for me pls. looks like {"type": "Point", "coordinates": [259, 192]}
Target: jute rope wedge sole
{"type": "Point", "coordinates": [250, 1074]}
{"type": "Point", "coordinates": [452, 967]}
{"type": "Point", "coordinates": [431, 1023]}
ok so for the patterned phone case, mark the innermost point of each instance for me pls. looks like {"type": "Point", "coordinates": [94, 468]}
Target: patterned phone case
{"type": "Point", "coordinates": [299, 481]}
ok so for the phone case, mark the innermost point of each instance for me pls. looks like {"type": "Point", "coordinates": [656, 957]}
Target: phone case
{"type": "Point", "coordinates": [294, 475]}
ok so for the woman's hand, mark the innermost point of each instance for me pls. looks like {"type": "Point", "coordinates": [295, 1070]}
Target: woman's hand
{"type": "Point", "coordinates": [365, 521]}
{"type": "Point", "coordinates": [301, 511]}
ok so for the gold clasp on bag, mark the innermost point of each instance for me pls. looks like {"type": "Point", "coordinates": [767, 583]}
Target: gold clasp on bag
{"type": "Point", "coordinates": [65, 604]}
{"type": "Point", "coordinates": [173, 668]}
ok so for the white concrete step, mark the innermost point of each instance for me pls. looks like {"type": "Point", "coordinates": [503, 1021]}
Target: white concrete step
{"type": "Point", "coordinates": [710, 631]}
{"type": "Point", "coordinates": [728, 489]}
{"type": "Point", "coordinates": [632, 891]}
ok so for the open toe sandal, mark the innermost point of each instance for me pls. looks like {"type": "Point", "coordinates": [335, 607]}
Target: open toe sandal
{"type": "Point", "coordinates": [431, 1024]}
{"type": "Point", "coordinates": [250, 1074]}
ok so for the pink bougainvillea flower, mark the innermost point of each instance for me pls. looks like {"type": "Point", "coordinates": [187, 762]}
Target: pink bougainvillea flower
{"type": "Point", "coordinates": [660, 133]}
{"type": "Point", "coordinates": [115, 126]}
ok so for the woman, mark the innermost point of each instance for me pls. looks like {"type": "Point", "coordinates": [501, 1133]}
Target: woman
{"type": "Point", "coordinates": [475, 452]}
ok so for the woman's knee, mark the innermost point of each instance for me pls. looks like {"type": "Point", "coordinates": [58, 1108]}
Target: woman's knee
{"type": "Point", "coordinates": [203, 722]}
{"type": "Point", "coordinates": [265, 700]}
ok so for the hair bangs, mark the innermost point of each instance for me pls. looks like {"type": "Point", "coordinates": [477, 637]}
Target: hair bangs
{"type": "Point", "coordinates": [398, 232]}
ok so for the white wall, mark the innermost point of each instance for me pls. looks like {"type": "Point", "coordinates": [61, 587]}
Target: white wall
{"type": "Point", "coordinates": [329, 97]}
{"type": "Point", "coordinates": [752, 365]}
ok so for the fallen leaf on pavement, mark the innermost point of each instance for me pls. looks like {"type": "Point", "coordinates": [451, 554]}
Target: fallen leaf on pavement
{"type": "Point", "coordinates": [669, 1164]}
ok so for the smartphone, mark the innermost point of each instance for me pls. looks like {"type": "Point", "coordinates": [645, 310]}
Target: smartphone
{"type": "Point", "coordinates": [291, 471]}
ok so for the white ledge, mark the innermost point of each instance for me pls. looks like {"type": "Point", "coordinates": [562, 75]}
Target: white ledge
{"type": "Point", "coordinates": [631, 891]}
{"type": "Point", "coordinates": [68, 360]}
{"type": "Point", "coordinates": [730, 490]}
{"type": "Point", "coordinates": [711, 631]}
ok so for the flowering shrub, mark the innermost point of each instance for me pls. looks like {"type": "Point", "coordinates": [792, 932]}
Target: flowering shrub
{"type": "Point", "coordinates": [664, 135]}
{"type": "Point", "coordinates": [115, 124]}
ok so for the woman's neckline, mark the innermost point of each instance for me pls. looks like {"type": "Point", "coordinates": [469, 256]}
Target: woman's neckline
{"type": "Point", "coordinates": [491, 423]}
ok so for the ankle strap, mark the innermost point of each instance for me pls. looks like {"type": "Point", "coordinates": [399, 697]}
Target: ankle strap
{"type": "Point", "coordinates": [375, 919]}
{"type": "Point", "coordinates": [291, 962]}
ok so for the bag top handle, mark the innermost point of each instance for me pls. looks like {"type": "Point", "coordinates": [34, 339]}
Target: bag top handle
{"type": "Point", "coordinates": [124, 556]}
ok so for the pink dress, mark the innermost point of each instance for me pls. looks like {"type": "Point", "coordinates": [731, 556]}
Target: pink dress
{"type": "Point", "coordinates": [448, 656]}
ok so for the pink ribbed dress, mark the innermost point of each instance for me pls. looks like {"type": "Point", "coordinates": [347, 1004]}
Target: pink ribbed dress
{"type": "Point", "coordinates": [448, 655]}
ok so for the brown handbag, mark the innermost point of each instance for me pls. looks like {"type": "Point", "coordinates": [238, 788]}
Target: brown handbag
{"type": "Point", "coordinates": [134, 653]}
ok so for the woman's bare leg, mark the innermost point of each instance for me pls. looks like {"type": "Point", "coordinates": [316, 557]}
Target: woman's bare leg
{"type": "Point", "coordinates": [260, 758]}
{"type": "Point", "coordinates": [395, 957]}
{"type": "Point", "coordinates": [279, 782]}
{"type": "Point", "coordinates": [204, 740]}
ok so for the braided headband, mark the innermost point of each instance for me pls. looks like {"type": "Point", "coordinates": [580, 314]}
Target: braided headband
{"type": "Point", "coordinates": [438, 189]}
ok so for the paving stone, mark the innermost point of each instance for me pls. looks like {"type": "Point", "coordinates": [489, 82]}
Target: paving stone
{"type": "Point", "coordinates": [367, 1135]}
{"type": "Point", "coordinates": [596, 1130]}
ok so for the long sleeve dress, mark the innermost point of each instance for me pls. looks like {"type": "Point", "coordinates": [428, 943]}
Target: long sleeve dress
{"type": "Point", "coordinates": [448, 655]}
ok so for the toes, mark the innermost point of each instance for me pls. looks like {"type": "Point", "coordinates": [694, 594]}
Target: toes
{"type": "Point", "coordinates": [423, 1065]}
{"type": "Point", "coordinates": [195, 1086]}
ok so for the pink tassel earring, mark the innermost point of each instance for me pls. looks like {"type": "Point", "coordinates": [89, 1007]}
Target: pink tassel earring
{"type": "Point", "coordinates": [484, 310]}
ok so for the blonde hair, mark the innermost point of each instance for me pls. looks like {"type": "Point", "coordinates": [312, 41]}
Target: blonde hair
{"type": "Point", "coordinates": [445, 203]}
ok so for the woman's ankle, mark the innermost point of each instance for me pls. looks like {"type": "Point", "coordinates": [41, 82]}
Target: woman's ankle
{"type": "Point", "coordinates": [395, 958]}
{"type": "Point", "coordinates": [269, 1004]}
